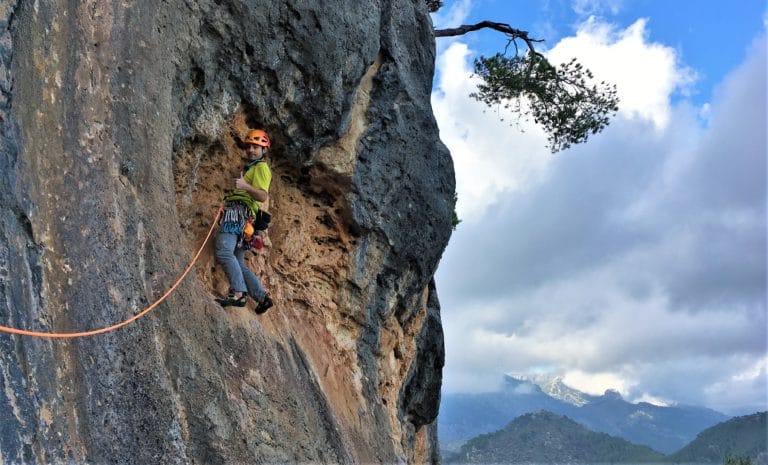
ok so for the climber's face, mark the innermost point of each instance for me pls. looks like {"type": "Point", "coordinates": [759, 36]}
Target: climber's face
{"type": "Point", "coordinates": [255, 152]}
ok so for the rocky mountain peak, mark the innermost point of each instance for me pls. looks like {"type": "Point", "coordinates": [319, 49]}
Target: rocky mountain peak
{"type": "Point", "coordinates": [612, 394]}
{"type": "Point", "coordinates": [554, 386]}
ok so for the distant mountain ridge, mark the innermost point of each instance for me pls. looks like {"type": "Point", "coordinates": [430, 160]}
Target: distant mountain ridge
{"type": "Point", "coordinates": [665, 429]}
{"type": "Point", "coordinates": [544, 437]}
{"type": "Point", "coordinates": [745, 436]}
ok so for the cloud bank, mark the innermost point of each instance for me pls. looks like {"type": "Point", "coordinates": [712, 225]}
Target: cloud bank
{"type": "Point", "coordinates": [635, 262]}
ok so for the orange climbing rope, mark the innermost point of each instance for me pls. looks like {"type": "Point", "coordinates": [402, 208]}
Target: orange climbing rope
{"type": "Point", "coordinates": [22, 332]}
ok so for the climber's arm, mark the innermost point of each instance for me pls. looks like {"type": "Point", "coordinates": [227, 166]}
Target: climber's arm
{"type": "Point", "coordinates": [258, 194]}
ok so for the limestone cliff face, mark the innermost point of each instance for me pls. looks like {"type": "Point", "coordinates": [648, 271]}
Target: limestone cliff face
{"type": "Point", "coordinates": [116, 141]}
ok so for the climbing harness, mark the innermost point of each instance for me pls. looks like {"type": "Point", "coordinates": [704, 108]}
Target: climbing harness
{"type": "Point", "coordinates": [170, 291]}
{"type": "Point", "coordinates": [236, 215]}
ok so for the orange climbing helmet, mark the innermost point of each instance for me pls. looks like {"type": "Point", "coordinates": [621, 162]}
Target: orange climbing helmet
{"type": "Point", "coordinates": [257, 137]}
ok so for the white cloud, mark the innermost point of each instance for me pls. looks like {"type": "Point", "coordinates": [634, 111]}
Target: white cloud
{"type": "Point", "coordinates": [454, 16]}
{"type": "Point", "coordinates": [649, 399]}
{"type": "Point", "coordinates": [646, 74]}
{"type": "Point", "coordinates": [748, 381]}
{"type": "Point", "coordinates": [490, 156]}
{"type": "Point", "coordinates": [597, 7]}
{"type": "Point", "coordinates": [595, 383]}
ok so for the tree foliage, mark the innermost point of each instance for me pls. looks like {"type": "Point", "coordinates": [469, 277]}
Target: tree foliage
{"type": "Point", "coordinates": [561, 99]}
{"type": "Point", "coordinates": [731, 460]}
{"type": "Point", "coordinates": [433, 5]}
{"type": "Point", "coordinates": [564, 100]}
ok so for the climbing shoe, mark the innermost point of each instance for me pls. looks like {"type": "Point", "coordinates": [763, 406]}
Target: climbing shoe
{"type": "Point", "coordinates": [232, 300]}
{"type": "Point", "coordinates": [264, 305]}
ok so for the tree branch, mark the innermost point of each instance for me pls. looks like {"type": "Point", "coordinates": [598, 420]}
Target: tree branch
{"type": "Point", "coordinates": [508, 30]}
{"type": "Point", "coordinates": [557, 98]}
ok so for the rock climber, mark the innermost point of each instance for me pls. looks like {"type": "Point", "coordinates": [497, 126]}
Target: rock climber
{"type": "Point", "coordinates": [244, 223]}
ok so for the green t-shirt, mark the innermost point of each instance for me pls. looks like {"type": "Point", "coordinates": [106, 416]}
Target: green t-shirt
{"type": "Point", "coordinates": [259, 176]}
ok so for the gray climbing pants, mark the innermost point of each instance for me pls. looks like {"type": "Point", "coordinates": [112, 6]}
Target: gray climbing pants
{"type": "Point", "coordinates": [241, 278]}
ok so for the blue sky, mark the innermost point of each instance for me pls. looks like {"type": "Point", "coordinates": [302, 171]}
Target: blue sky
{"type": "Point", "coordinates": [711, 39]}
{"type": "Point", "coordinates": [637, 261]}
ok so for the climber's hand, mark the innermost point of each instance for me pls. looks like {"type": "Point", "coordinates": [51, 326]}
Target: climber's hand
{"type": "Point", "coordinates": [240, 183]}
